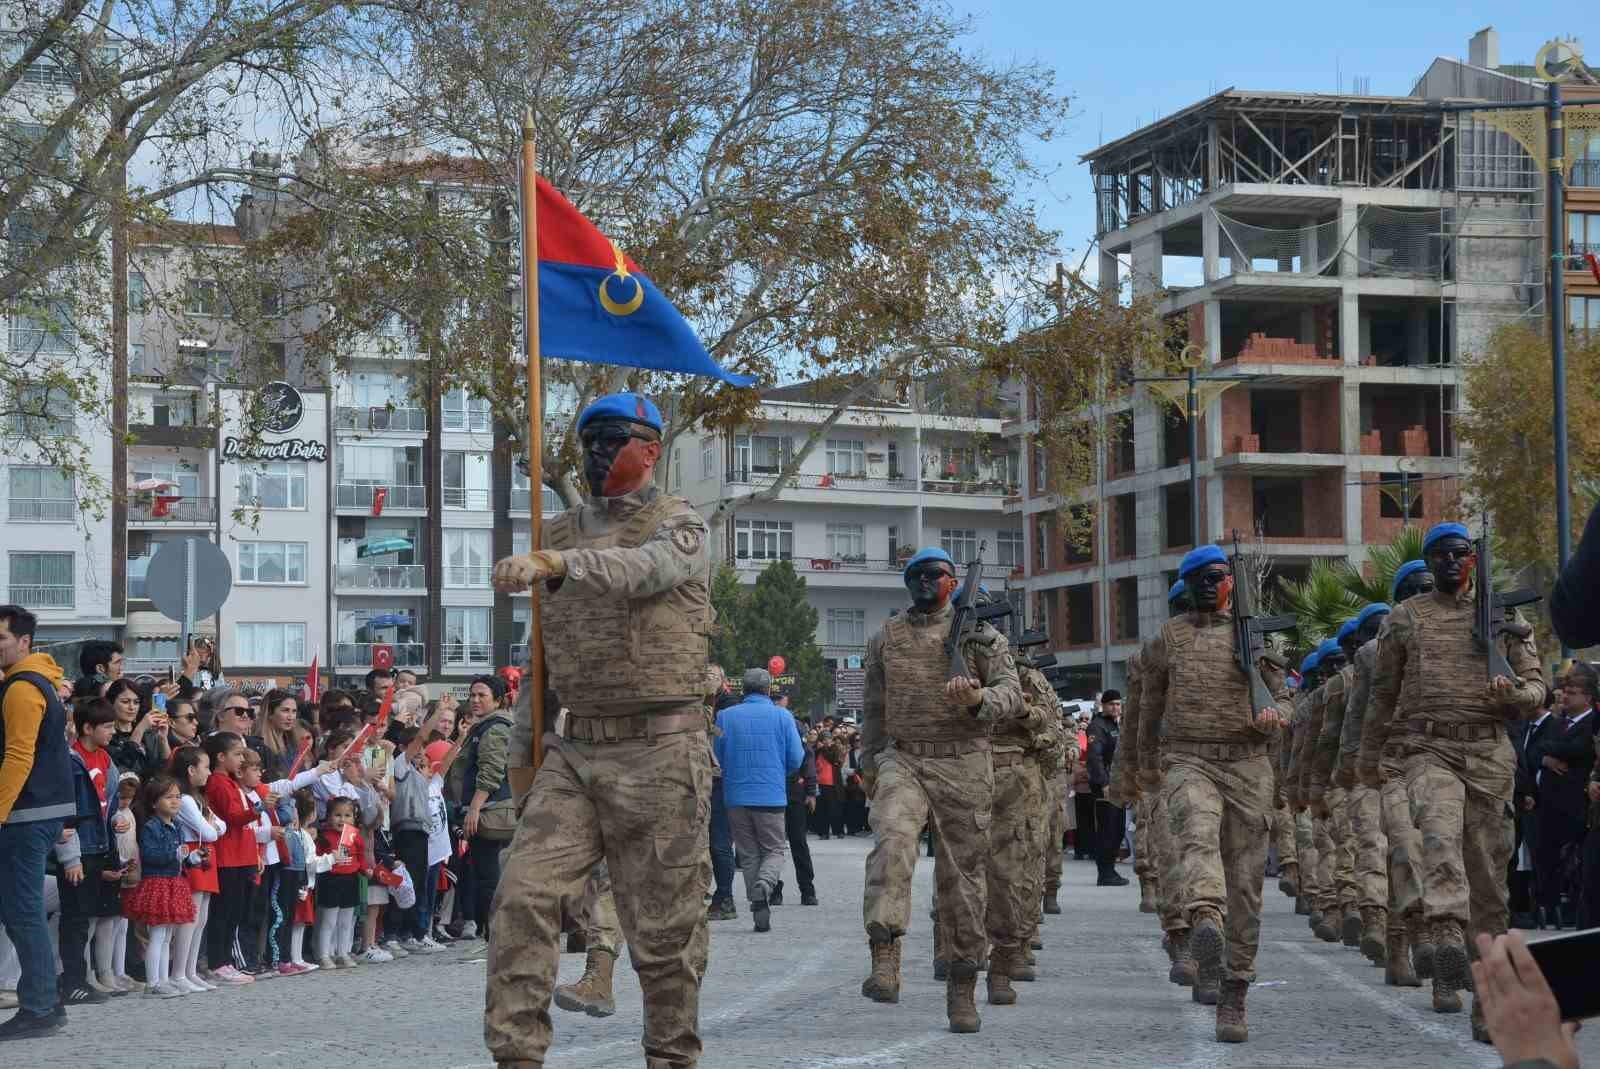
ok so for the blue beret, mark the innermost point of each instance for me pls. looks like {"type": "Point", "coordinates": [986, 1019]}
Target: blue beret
{"type": "Point", "coordinates": [1347, 629]}
{"type": "Point", "coordinates": [1370, 611]}
{"type": "Point", "coordinates": [1175, 591]}
{"type": "Point", "coordinates": [1443, 530]}
{"type": "Point", "coordinates": [1196, 559]}
{"type": "Point", "coordinates": [1328, 646]}
{"type": "Point", "coordinates": [629, 406]}
{"type": "Point", "coordinates": [1410, 567]}
{"type": "Point", "coordinates": [923, 556]}
{"type": "Point", "coordinates": [1310, 663]}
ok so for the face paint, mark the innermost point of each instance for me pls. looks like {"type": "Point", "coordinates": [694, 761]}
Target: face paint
{"type": "Point", "coordinates": [1225, 593]}
{"type": "Point", "coordinates": [1451, 561]}
{"type": "Point", "coordinates": [930, 587]}
{"type": "Point", "coordinates": [616, 460]}
{"type": "Point", "coordinates": [1210, 589]}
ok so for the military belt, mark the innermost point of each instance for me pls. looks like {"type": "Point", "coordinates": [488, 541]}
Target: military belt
{"type": "Point", "coordinates": [1455, 732]}
{"type": "Point", "coordinates": [955, 748]}
{"type": "Point", "coordinates": [1007, 758]}
{"type": "Point", "coordinates": [622, 728]}
{"type": "Point", "coordinates": [1216, 751]}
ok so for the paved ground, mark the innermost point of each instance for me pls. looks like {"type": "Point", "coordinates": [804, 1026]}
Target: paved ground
{"type": "Point", "coordinates": [791, 999]}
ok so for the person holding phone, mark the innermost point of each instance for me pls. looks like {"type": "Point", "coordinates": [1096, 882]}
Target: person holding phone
{"type": "Point", "coordinates": [140, 742]}
{"type": "Point", "coordinates": [1521, 1012]}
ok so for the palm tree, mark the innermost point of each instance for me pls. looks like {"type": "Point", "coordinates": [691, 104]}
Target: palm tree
{"type": "Point", "coordinates": [1321, 602]}
{"type": "Point", "coordinates": [1383, 562]}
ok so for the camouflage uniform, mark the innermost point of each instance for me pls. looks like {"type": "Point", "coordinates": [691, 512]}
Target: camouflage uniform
{"type": "Point", "coordinates": [1216, 775]}
{"type": "Point", "coordinates": [933, 764]}
{"type": "Point", "coordinates": [598, 914]}
{"type": "Point", "coordinates": [1047, 751]}
{"type": "Point", "coordinates": [1056, 786]}
{"type": "Point", "coordinates": [1125, 780]}
{"type": "Point", "coordinates": [630, 783]}
{"type": "Point", "coordinates": [1387, 763]}
{"type": "Point", "coordinates": [1366, 807]}
{"type": "Point", "coordinates": [1430, 697]}
{"type": "Point", "coordinates": [1309, 831]}
{"type": "Point", "coordinates": [1336, 797]}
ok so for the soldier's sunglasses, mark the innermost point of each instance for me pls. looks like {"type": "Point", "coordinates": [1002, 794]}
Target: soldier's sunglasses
{"type": "Point", "coordinates": [1213, 576]}
{"type": "Point", "coordinates": [611, 437]}
{"type": "Point", "coordinates": [1451, 553]}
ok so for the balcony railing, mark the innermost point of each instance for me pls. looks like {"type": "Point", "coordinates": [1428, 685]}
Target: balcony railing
{"type": "Point", "coordinates": [42, 510]}
{"type": "Point", "coordinates": [351, 495]}
{"type": "Point", "coordinates": [185, 510]}
{"type": "Point", "coordinates": [405, 577]}
{"type": "Point", "coordinates": [803, 563]}
{"type": "Point", "coordinates": [468, 655]}
{"type": "Point", "coordinates": [476, 421]}
{"type": "Point", "coordinates": [894, 481]}
{"type": "Point", "coordinates": [36, 596]}
{"type": "Point", "coordinates": [381, 418]}
{"type": "Point", "coordinates": [1586, 172]}
{"type": "Point", "coordinates": [358, 655]}
{"type": "Point", "coordinates": [969, 485]}
{"type": "Point", "coordinates": [458, 497]}
{"type": "Point", "coordinates": [467, 575]}
{"type": "Point", "coordinates": [522, 500]}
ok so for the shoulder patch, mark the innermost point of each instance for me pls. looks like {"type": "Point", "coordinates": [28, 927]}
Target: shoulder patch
{"type": "Point", "coordinates": [687, 539]}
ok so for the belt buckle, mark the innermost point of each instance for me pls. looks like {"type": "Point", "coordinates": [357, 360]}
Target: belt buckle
{"type": "Point", "coordinates": [608, 729]}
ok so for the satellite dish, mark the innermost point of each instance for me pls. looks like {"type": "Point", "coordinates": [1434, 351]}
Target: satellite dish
{"type": "Point", "coordinates": [1560, 61]}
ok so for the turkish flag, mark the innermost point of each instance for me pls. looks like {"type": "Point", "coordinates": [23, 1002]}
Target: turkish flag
{"type": "Point", "coordinates": [378, 494]}
{"type": "Point", "coordinates": [163, 505]}
{"type": "Point", "coordinates": [383, 657]}
{"type": "Point", "coordinates": [313, 682]}
{"type": "Point", "coordinates": [1594, 265]}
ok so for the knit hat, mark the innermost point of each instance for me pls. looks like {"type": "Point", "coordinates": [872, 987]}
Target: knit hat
{"type": "Point", "coordinates": [435, 752]}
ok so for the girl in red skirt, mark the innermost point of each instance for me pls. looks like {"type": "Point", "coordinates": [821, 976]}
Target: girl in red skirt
{"type": "Point", "coordinates": [162, 898]}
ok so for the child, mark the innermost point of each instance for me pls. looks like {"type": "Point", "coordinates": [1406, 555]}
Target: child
{"type": "Point", "coordinates": [304, 912]}
{"type": "Point", "coordinates": [337, 891]}
{"type": "Point", "coordinates": [126, 831]}
{"type": "Point", "coordinates": [278, 888]}
{"type": "Point", "coordinates": [198, 827]}
{"type": "Point", "coordinates": [94, 897]}
{"type": "Point", "coordinates": [162, 898]}
{"type": "Point", "coordinates": [237, 860]}
{"type": "Point", "coordinates": [408, 825]}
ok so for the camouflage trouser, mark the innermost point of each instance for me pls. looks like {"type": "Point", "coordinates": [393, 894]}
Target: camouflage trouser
{"type": "Point", "coordinates": [1041, 824]}
{"type": "Point", "coordinates": [1466, 843]}
{"type": "Point", "coordinates": [644, 808]}
{"type": "Point", "coordinates": [1327, 860]}
{"type": "Point", "coordinates": [1283, 836]}
{"type": "Point", "coordinates": [1142, 866]}
{"type": "Point", "coordinates": [1405, 845]}
{"type": "Point", "coordinates": [1344, 841]}
{"type": "Point", "coordinates": [598, 914]}
{"type": "Point", "coordinates": [954, 794]}
{"type": "Point", "coordinates": [1220, 815]}
{"type": "Point", "coordinates": [1371, 848]}
{"type": "Point", "coordinates": [1056, 804]}
{"type": "Point", "coordinates": [1014, 868]}
{"type": "Point", "coordinates": [1170, 901]}
{"type": "Point", "coordinates": [1305, 844]}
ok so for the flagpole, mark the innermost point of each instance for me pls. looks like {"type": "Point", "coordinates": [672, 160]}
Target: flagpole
{"type": "Point", "coordinates": [530, 347]}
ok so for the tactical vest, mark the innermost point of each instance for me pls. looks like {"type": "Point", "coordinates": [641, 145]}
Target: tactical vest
{"type": "Point", "coordinates": [1445, 673]}
{"type": "Point", "coordinates": [915, 671]}
{"type": "Point", "coordinates": [605, 652]}
{"type": "Point", "coordinates": [1208, 696]}
{"type": "Point", "coordinates": [1020, 733]}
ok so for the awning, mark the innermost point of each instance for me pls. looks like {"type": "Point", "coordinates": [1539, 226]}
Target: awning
{"type": "Point", "coordinates": [383, 545]}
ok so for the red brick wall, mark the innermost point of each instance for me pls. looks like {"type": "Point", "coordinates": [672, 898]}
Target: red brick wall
{"type": "Point", "coordinates": [1238, 503]}
{"type": "Point", "coordinates": [1236, 422]}
{"type": "Point", "coordinates": [1324, 505]}
{"type": "Point", "coordinates": [1320, 418]}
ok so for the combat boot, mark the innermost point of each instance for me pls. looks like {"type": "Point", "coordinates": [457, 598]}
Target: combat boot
{"type": "Point", "coordinates": [960, 992]}
{"type": "Point", "coordinates": [1374, 932]}
{"type": "Point", "coordinates": [1035, 941]}
{"type": "Point", "coordinates": [1350, 926]}
{"type": "Point", "coordinates": [1289, 879]}
{"type": "Point", "coordinates": [1421, 946]}
{"type": "Point", "coordinates": [941, 969]}
{"type": "Point", "coordinates": [883, 985]}
{"type": "Point", "coordinates": [592, 993]}
{"type": "Point", "coordinates": [1232, 1026]}
{"type": "Point", "coordinates": [1323, 927]}
{"type": "Point", "coordinates": [1480, 1027]}
{"type": "Point", "coordinates": [1051, 903]}
{"type": "Point", "coordinates": [1397, 970]}
{"type": "Point", "coordinates": [1183, 967]}
{"type": "Point", "coordinates": [1023, 965]}
{"type": "Point", "coordinates": [1302, 908]}
{"type": "Point", "coordinates": [1450, 963]}
{"type": "Point", "coordinates": [1147, 895]}
{"type": "Point", "coordinates": [1029, 956]}
{"type": "Point", "coordinates": [1206, 944]}
{"type": "Point", "coordinates": [1001, 993]}
{"type": "Point", "coordinates": [577, 942]}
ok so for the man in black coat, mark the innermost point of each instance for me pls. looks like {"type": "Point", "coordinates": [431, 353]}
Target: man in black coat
{"type": "Point", "coordinates": [1525, 736]}
{"type": "Point", "coordinates": [1566, 758]}
{"type": "Point", "coordinates": [1110, 818]}
{"type": "Point", "coordinates": [1574, 609]}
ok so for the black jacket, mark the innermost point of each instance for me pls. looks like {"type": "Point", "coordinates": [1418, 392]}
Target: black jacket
{"type": "Point", "coordinates": [1566, 792]}
{"type": "Point", "coordinates": [1574, 608]}
{"type": "Point", "coordinates": [1525, 736]}
{"type": "Point", "coordinates": [1103, 735]}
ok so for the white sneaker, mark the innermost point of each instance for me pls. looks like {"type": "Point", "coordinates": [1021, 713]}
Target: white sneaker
{"type": "Point", "coordinates": [229, 975]}
{"type": "Point", "coordinates": [426, 945]}
{"type": "Point", "coordinates": [308, 966]}
{"type": "Point", "coordinates": [165, 989]}
{"type": "Point", "coordinates": [200, 982]}
{"type": "Point", "coordinates": [94, 981]}
{"type": "Point", "coordinates": [188, 986]}
{"type": "Point", "coordinates": [327, 963]}
{"type": "Point", "coordinates": [128, 983]}
{"type": "Point", "coordinates": [376, 956]}
{"type": "Point", "coordinates": [410, 945]}
{"type": "Point", "coordinates": [395, 948]}
{"type": "Point", "coordinates": [469, 930]}
{"type": "Point", "coordinates": [8, 999]}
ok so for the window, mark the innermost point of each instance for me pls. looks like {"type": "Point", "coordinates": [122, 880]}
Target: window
{"type": "Point", "coordinates": [1013, 469]}
{"type": "Point", "coordinates": [1583, 233]}
{"type": "Point", "coordinates": [272, 562]}
{"type": "Point", "coordinates": [846, 456]}
{"type": "Point", "coordinates": [1008, 548]}
{"type": "Point", "coordinates": [847, 627]}
{"type": "Point", "coordinates": [957, 462]}
{"type": "Point", "coordinates": [762, 454]}
{"type": "Point", "coordinates": [467, 558]}
{"type": "Point", "coordinates": [1079, 541]}
{"type": "Point", "coordinates": [138, 291]}
{"type": "Point", "coordinates": [763, 539]}
{"type": "Point", "coordinates": [136, 359]}
{"type": "Point", "coordinates": [279, 485]}
{"type": "Point", "coordinates": [142, 548]}
{"type": "Point", "coordinates": [43, 580]}
{"type": "Point", "coordinates": [1038, 469]}
{"type": "Point", "coordinates": [41, 495]}
{"type": "Point", "coordinates": [22, 138]}
{"type": "Point", "coordinates": [1080, 614]}
{"type": "Point", "coordinates": [847, 541]}
{"type": "Point", "coordinates": [175, 410]}
{"type": "Point", "coordinates": [677, 469]}
{"type": "Point", "coordinates": [375, 390]}
{"type": "Point", "coordinates": [1041, 544]}
{"type": "Point", "coordinates": [464, 413]}
{"type": "Point", "coordinates": [1127, 602]}
{"type": "Point", "coordinates": [381, 465]}
{"type": "Point", "coordinates": [203, 297]}
{"type": "Point", "coordinates": [270, 644]}
{"type": "Point", "coordinates": [1584, 149]}
{"type": "Point", "coordinates": [708, 459]}
{"type": "Point", "coordinates": [44, 327]}
{"type": "Point", "coordinates": [42, 412]}
{"type": "Point", "coordinates": [466, 480]}
{"type": "Point", "coordinates": [467, 643]}
{"type": "Point", "coordinates": [150, 648]}
{"type": "Point", "coordinates": [1583, 313]}
{"type": "Point", "coordinates": [962, 545]}
{"type": "Point", "coordinates": [183, 475]}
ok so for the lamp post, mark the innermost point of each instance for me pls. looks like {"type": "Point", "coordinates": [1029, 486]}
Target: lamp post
{"type": "Point", "coordinates": [1192, 379]}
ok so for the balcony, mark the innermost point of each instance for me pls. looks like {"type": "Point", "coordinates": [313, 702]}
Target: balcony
{"type": "Point", "coordinates": [894, 481]}
{"type": "Point", "coordinates": [42, 510]}
{"type": "Point", "coordinates": [184, 512]}
{"type": "Point", "coordinates": [391, 578]}
{"type": "Point", "coordinates": [522, 502]}
{"type": "Point", "coordinates": [353, 495]}
{"type": "Point", "coordinates": [1586, 173]}
{"type": "Point", "coordinates": [470, 576]}
{"type": "Point", "coordinates": [468, 655]}
{"type": "Point", "coordinates": [43, 596]}
{"type": "Point", "coordinates": [357, 656]}
{"type": "Point", "coordinates": [381, 418]}
{"type": "Point", "coordinates": [460, 497]}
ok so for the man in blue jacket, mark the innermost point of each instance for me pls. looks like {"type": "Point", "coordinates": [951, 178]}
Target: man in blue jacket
{"type": "Point", "coordinates": [759, 750]}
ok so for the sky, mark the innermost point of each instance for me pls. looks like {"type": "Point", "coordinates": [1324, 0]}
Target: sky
{"type": "Point", "coordinates": [1125, 65]}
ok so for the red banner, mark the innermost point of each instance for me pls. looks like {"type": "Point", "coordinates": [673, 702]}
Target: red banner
{"type": "Point", "coordinates": [163, 505]}
{"type": "Point", "coordinates": [299, 758]}
{"type": "Point", "coordinates": [378, 494]}
{"type": "Point", "coordinates": [313, 682]}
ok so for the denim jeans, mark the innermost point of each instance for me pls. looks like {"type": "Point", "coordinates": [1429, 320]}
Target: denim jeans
{"type": "Point", "coordinates": [23, 848]}
{"type": "Point", "coordinates": [721, 845]}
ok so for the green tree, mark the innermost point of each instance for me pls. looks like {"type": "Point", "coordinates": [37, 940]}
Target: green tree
{"type": "Point", "coordinates": [771, 618]}
{"type": "Point", "coordinates": [1376, 584]}
{"type": "Point", "coordinates": [1321, 602]}
{"type": "Point", "coordinates": [728, 597]}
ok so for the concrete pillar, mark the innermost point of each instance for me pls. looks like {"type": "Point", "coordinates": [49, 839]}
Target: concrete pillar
{"type": "Point", "coordinates": [1350, 436]}
{"type": "Point", "coordinates": [1214, 351]}
{"type": "Point", "coordinates": [1417, 334]}
{"type": "Point", "coordinates": [1211, 245]}
{"type": "Point", "coordinates": [1350, 336]}
{"type": "Point", "coordinates": [1349, 222]}
{"type": "Point", "coordinates": [1147, 265]}
{"type": "Point", "coordinates": [1108, 272]}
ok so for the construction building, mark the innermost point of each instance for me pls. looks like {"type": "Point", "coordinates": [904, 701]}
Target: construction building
{"type": "Point", "coordinates": [1337, 256]}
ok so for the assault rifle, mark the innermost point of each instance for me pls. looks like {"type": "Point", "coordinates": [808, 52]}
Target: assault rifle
{"type": "Point", "coordinates": [1248, 629]}
{"type": "Point", "coordinates": [965, 617]}
{"type": "Point", "coordinates": [999, 610]}
{"type": "Point", "coordinates": [1489, 610]}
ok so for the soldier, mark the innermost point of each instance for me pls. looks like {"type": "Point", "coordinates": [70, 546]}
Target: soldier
{"type": "Point", "coordinates": [1333, 796]}
{"type": "Point", "coordinates": [925, 752]}
{"type": "Point", "coordinates": [1215, 774]}
{"type": "Point", "coordinates": [1304, 833]}
{"type": "Point", "coordinates": [1387, 775]}
{"type": "Point", "coordinates": [1048, 751]}
{"type": "Point", "coordinates": [591, 994]}
{"type": "Point", "coordinates": [626, 612]}
{"type": "Point", "coordinates": [1333, 881]}
{"type": "Point", "coordinates": [1364, 804]}
{"type": "Point", "coordinates": [1431, 696]}
{"type": "Point", "coordinates": [1056, 787]}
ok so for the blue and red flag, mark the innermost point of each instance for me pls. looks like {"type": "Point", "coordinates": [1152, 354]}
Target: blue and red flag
{"type": "Point", "coordinates": [596, 305]}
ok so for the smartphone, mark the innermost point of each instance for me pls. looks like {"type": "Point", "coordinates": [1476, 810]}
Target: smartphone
{"type": "Point", "coordinates": [172, 676]}
{"type": "Point", "coordinates": [1567, 962]}
{"type": "Point", "coordinates": [159, 700]}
